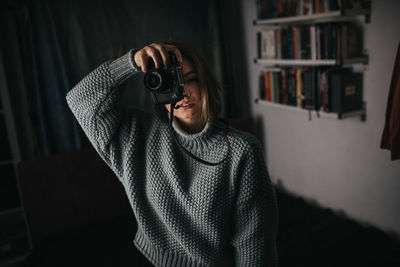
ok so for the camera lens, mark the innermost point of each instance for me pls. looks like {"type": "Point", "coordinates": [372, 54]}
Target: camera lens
{"type": "Point", "coordinates": [153, 80]}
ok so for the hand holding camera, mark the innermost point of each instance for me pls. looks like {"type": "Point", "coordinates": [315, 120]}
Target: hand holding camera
{"type": "Point", "coordinates": [163, 73]}
{"type": "Point", "coordinates": [158, 53]}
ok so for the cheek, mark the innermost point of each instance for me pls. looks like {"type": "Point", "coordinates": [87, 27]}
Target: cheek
{"type": "Point", "coordinates": [197, 92]}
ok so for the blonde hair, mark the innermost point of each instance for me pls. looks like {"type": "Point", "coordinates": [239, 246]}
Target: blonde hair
{"type": "Point", "coordinates": [209, 87]}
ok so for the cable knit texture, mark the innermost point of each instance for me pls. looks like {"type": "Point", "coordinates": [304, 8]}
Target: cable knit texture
{"type": "Point", "coordinates": [188, 213]}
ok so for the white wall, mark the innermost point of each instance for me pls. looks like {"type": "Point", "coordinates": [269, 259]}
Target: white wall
{"type": "Point", "coordinates": [338, 163]}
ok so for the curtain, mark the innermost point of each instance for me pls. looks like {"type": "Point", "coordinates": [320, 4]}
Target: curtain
{"type": "Point", "coordinates": [69, 38]}
{"type": "Point", "coordinates": [234, 59]}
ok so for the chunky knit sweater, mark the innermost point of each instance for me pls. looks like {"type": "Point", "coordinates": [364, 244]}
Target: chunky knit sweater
{"type": "Point", "coordinates": [188, 213]}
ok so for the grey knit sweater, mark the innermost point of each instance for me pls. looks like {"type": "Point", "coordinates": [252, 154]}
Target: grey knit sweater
{"type": "Point", "coordinates": [188, 213]}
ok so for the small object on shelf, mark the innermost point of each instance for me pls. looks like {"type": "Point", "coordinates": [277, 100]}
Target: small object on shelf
{"type": "Point", "coordinates": [346, 90]}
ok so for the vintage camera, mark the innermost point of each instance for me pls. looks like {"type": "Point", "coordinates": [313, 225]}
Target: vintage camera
{"type": "Point", "coordinates": [165, 83]}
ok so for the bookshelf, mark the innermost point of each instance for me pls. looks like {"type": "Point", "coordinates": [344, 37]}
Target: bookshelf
{"type": "Point", "coordinates": [320, 17]}
{"type": "Point", "coordinates": [314, 113]}
{"type": "Point", "coordinates": [312, 62]}
{"type": "Point", "coordinates": [320, 39]}
{"type": "Point", "coordinates": [15, 241]}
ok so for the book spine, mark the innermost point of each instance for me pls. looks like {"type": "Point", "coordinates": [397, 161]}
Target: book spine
{"type": "Point", "coordinates": [336, 93]}
{"type": "Point", "coordinates": [323, 91]}
{"type": "Point", "coordinates": [299, 94]}
{"type": "Point", "coordinates": [338, 43]}
{"type": "Point", "coordinates": [271, 86]}
{"type": "Point", "coordinates": [261, 89]}
{"type": "Point", "coordinates": [303, 86]}
{"type": "Point", "coordinates": [275, 86]}
{"type": "Point", "coordinates": [284, 41]}
{"type": "Point", "coordinates": [294, 43]}
{"type": "Point", "coordinates": [268, 41]}
{"type": "Point", "coordinates": [344, 41]}
{"type": "Point", "coordinates": [267, 86]}
{"type": "Point", "coordinates": [318, 41]}
{"type": "Point", "coordinates": [308, 7]}
{"type": "Point", "coordinates": [284, 87]}
{"type": "Point", "coordinates": [300, 45]}
{"type": "Point", "coordinates": [322, 6]}
{"type": "Point", "coordinates": [259, 45]}
{"type": "Point", "coordinates": [313, 42]}
{"type": "Point", "coordinates": [280, 8]}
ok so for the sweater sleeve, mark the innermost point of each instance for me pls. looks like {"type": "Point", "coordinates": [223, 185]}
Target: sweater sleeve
{"type": "Point", "coordinates": [95, 102]}
{"type": "Point", "coordinates": [256, 216]}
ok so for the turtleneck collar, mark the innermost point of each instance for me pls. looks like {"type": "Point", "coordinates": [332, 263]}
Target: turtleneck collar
{"type": "Point", "coordinates": [202, 141]}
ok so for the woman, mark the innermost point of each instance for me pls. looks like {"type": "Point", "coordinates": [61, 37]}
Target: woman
{"type": "Point", "coordinates": [212, 205]}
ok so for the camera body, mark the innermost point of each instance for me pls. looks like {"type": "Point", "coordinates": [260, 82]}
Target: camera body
{"type": "Point", "coordinates": [166, 83]}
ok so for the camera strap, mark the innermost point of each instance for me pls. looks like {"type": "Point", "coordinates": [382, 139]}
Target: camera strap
{"type": "Point", "coordinates": [172, 107]}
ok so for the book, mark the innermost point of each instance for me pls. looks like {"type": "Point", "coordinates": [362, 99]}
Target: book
{"type": "Point", "coordinates": [307, 7]}
{"type": "Point", "coordinates": [346, 90]}
{"type": "Point", "coordinates": [284, 43]}
{"type": "Point", "coordinates": [267, 86]}
{"type": "Point", "coordinates": [284, 87]}
{"type": "Point", "coordinates": [275, 87]}
{"type": "Point", "coordinates": [313, 42]}
{"type": "Point", "coordinates": [267, 44]}
{"type": "Point", "coordinates": [290, 50]}
{"type": "Point", "coordinates": [353, 45]}
{"type": "Point", "coordinates": [333, 41]}
{"type": "Point", "coordinates": [280, 8]}
{"type": "Point", "coordinates": [261, 88]}
{"type": "Point", "coordinates": [296, 42]}
{"type": "Point", "coordinates": [291, 86]}
{"type": "Point", "coordinates": [278, 43]}
{"type": "Point", "coordinates": [278, 80]}
{"type": "Point", "coordinates": [299, 8]}
{"type": "Point", "coordinates": [299, 89]}
{"type": "Point", "coordinates": [271, 86]}
{"type": "Point", "coordinates": [324, 91]}
{"type": "Point", "coordinates": [261, 9]}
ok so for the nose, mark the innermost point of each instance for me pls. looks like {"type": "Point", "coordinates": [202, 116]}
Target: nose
{"type": "Point", "coordinates": [186, 92]}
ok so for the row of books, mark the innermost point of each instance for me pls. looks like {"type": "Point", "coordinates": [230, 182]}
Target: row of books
{"type": "Point", "coordinates": [336, 90]}
{"type": "Point", "coordinates": [320, 41]}
{"type": "Point", "coordinates": [267, 9]}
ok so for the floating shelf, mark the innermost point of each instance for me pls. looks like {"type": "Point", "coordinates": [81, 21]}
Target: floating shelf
{"type": "Point", "coordinates": [312, 62]}
{"type": "Point", "coordinates": [356, 113]}
{"type": "Point", "coordinates": [326, 16]}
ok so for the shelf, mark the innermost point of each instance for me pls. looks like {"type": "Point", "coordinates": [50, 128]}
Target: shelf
{"type": "Point", "coordinates": [311, 62]}
{"type": "Point", "coordinates": [326, 16]}
{"type": "Point", "coordinates": [322, 114]}
{"type": "Point", "coordinates": [296, 62]}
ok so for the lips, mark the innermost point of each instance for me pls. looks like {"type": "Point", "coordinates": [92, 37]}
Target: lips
{"type": "Point", "coordinates": [186, 105]}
